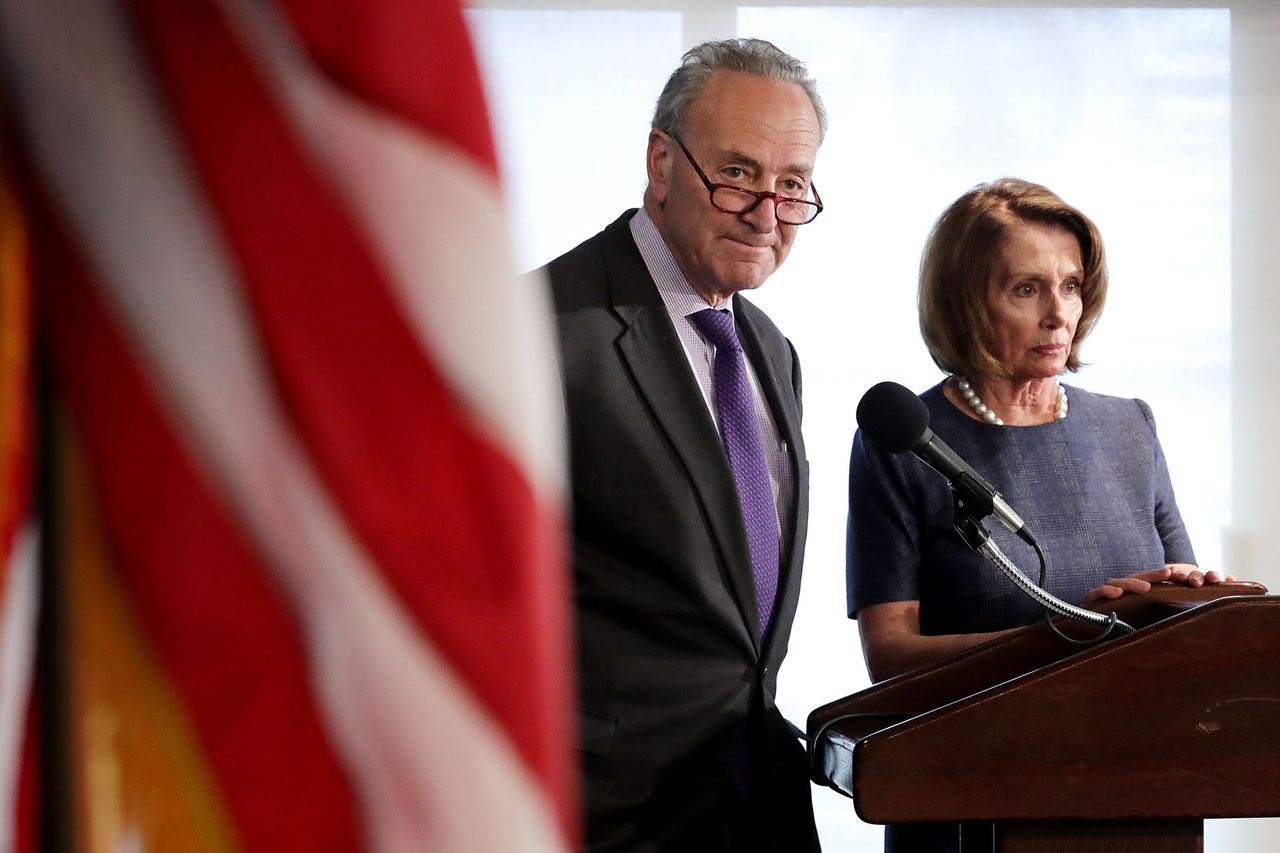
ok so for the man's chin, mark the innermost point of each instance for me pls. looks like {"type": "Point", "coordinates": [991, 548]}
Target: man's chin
{"type": "Point", "coordinates": [747, 276]}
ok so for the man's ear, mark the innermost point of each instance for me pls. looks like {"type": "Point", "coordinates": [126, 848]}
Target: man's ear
{"type": "Point", "coordinates": [659, 160]}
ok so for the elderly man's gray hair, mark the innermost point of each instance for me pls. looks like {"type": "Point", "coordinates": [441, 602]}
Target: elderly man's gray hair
{"type": "Point", "coordinates": [754, 56]}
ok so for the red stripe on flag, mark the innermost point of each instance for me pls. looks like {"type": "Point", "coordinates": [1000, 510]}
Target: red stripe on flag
{"type": "Point", "coordinates": [213, 617]}
{"type": "Point", "coordinates": [15, 461]}
{"type": "Point", "coordinates": [452, 524]}
{"type": "Point", "coordinates": [411, 57]}
{"type": "Point", "coordinates": [16, 351]}
{"type": "Point", "coordinates": [25, 825]}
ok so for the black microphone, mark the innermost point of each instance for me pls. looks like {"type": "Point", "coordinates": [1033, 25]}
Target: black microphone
{"type": "Point", "coordinates": [897, 420]}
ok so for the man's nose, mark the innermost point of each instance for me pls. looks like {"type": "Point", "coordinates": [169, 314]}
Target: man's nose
{"type": "Point", "coordinates": [764, 216]}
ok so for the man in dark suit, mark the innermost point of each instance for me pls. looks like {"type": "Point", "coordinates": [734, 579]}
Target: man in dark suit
{"type": "Point", "coordinates": [689, 477]}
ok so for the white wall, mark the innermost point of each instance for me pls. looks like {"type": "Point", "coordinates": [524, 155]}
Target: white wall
{"type": "Point", "coordinates": [1158, 123]}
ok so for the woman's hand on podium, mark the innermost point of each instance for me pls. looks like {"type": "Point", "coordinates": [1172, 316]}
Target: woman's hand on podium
{"type": "Point", "coordinates": [1137, 583]}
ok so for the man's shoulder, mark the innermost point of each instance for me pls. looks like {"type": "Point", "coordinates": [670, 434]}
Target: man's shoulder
{"type": "Point", "coordinates": [591, 255]}
{"type": "Point", "coordinates": [603, 273]}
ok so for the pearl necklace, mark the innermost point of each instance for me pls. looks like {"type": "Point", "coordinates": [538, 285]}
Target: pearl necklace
{"type": "Point", "coordinates": [975, 402]}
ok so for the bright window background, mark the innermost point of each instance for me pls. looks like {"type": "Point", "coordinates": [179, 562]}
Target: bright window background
{"type": "Point", "coordinates": [571, 95]}
{"type": "Point", "coordinates": [1125, 113]}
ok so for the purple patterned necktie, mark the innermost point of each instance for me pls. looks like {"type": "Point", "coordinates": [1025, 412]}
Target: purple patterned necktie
{"type": "Point", "coordinates": [736, 409]}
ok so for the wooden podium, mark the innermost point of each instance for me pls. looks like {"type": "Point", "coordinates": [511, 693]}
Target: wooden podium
{"type": "Point", "coordinates": [1122, 746]}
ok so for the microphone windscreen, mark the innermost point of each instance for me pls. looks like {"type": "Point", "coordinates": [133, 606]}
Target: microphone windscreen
{"type": "Point", "coordinates": [892, 416]}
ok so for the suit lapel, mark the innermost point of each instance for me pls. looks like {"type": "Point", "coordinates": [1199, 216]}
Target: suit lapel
{"type": "Point", "coordinates": [655, 358]}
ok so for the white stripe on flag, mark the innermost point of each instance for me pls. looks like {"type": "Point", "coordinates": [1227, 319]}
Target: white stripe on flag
{"type": "Point", "coordinates": [19, 602]}
{"type": "Point", "coordinates": [431, 767]}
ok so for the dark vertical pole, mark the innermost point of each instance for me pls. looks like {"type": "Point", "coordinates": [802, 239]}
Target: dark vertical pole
{"type": "Point", "coordinates": [52, 682]}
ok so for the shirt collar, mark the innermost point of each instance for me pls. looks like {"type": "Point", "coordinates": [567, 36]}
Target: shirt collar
{"type": "Point", "coordinates": [676, 291]}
